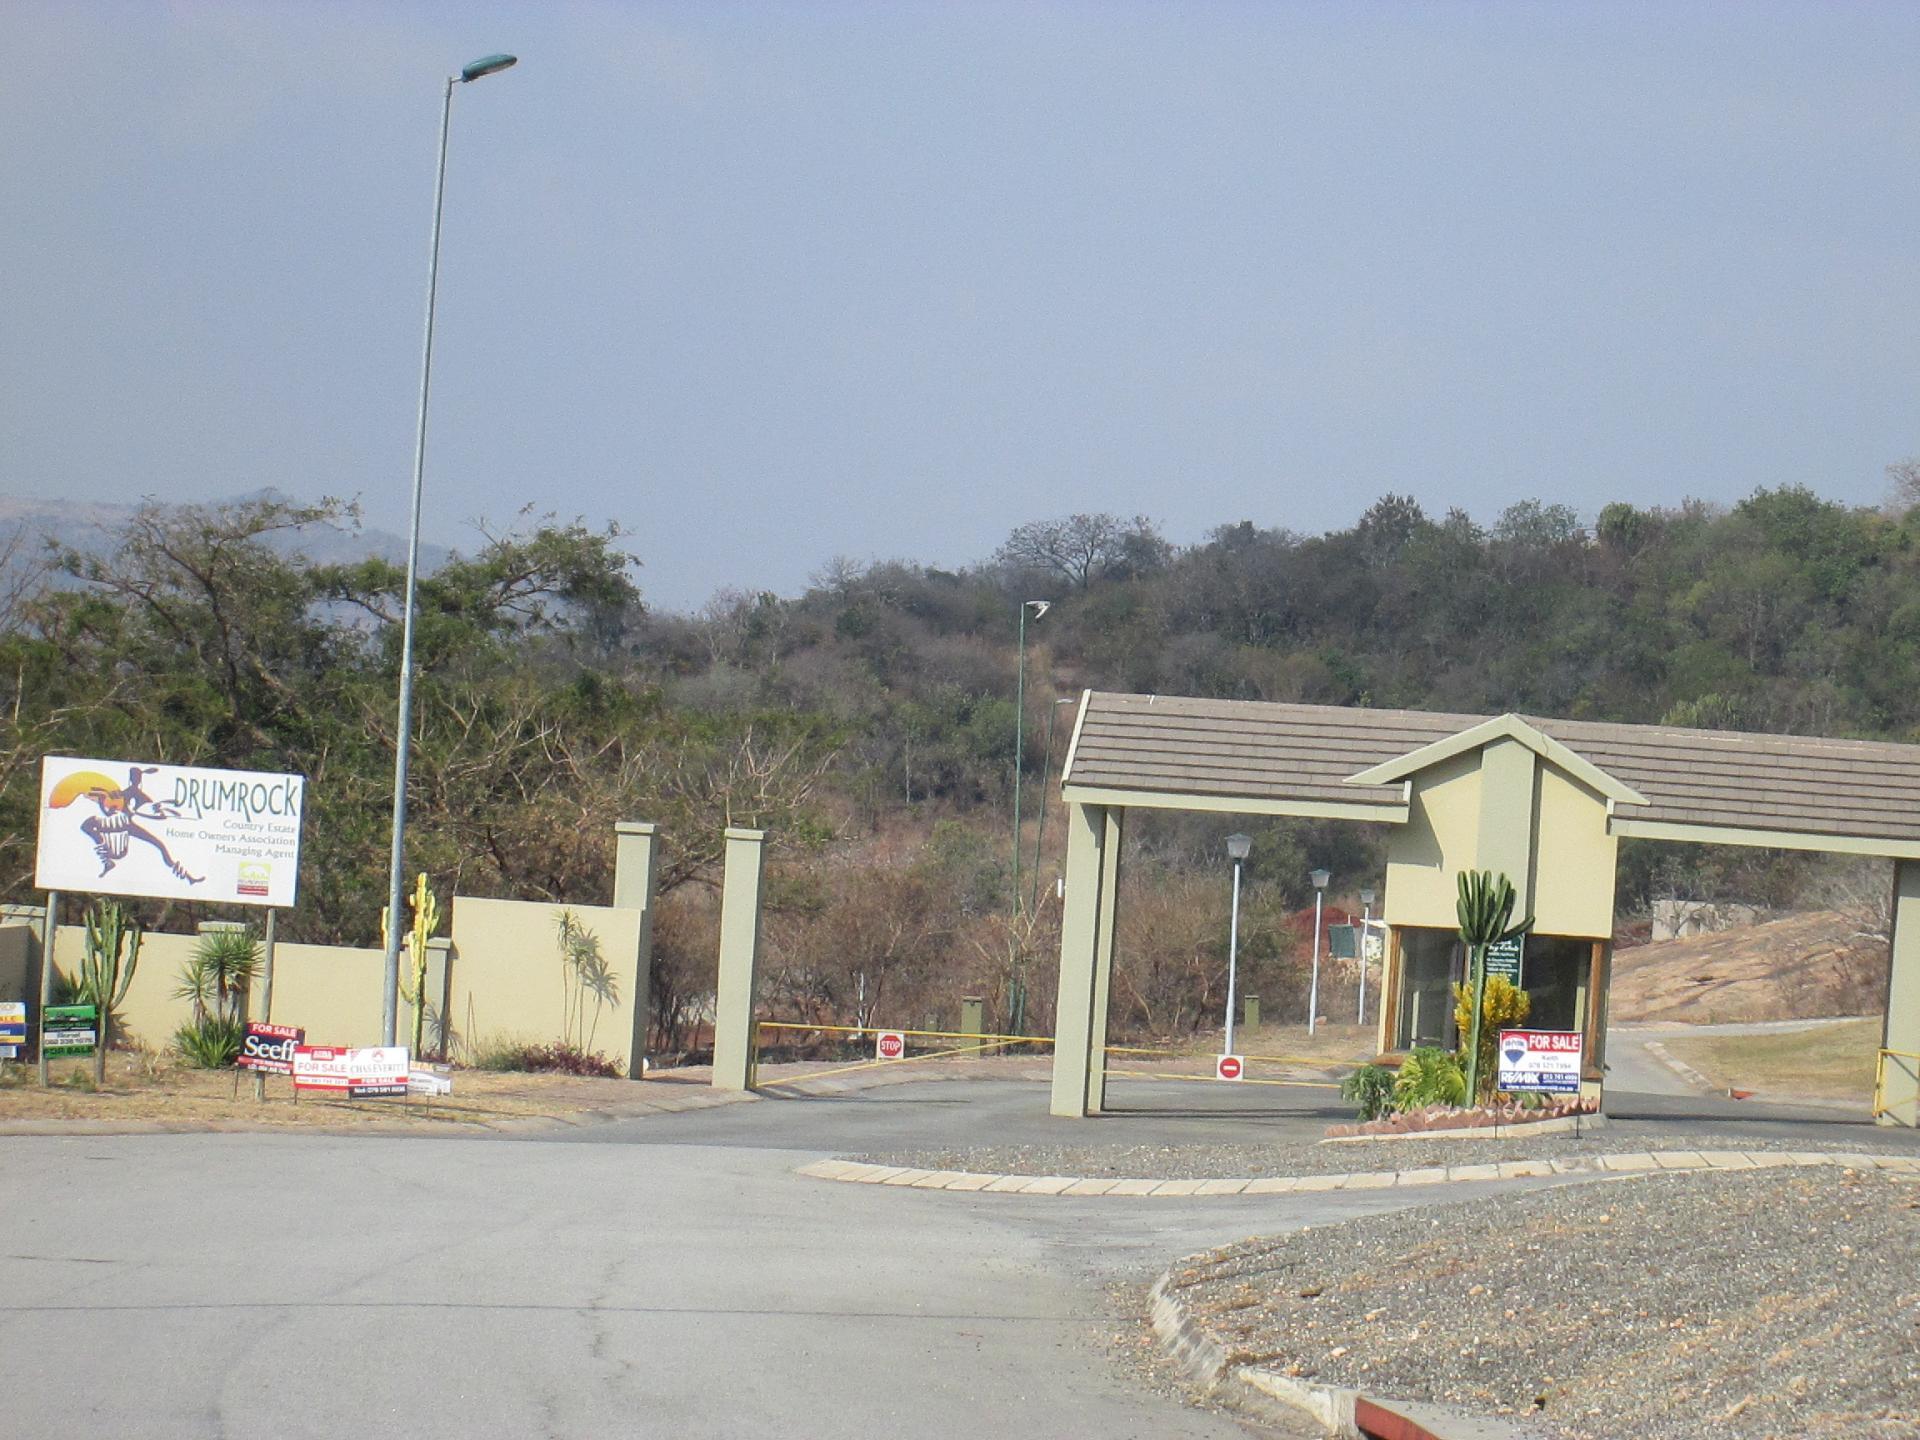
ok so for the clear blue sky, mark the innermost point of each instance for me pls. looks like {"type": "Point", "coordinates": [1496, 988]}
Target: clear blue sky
{"type": "Point", "coordinates": [770, 283]}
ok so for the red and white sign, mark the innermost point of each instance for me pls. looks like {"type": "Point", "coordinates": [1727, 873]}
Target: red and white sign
{"type": "Point", "coordinates": [337, 1070]}
{"type": "Point", "coordinates": [269, 1047]}
{"type": "Point", "coordinates": [1543, 1060]}
{"type": "Point", "coordinates": [890, 1045]}
{"type": "Point", "coordinates": [1229, 1067]}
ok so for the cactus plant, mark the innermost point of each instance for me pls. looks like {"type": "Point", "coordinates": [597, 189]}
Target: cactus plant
{"type": "Point", "coordinates": [1484, 907]}
{"type": "Point", "coordinates": [413, 984]}
{"type": "Point", "coordinates": [112, 955]}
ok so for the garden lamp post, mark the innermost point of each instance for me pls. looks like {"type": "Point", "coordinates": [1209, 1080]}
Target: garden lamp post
{"type": "Point", "coordinates": [1366, 933]}
{"type": "Point", "coordinates": [1319, 878]}
{"type": "Point", "coordinates": [403, 729]}
{"type": "Point", "coordinates": [1238, 848]}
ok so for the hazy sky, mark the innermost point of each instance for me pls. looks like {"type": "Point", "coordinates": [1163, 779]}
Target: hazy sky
{"type": "Point", "coordinates": [771, 283]}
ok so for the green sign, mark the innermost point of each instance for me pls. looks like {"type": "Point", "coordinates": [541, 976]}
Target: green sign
{"type": "Point", "coordinates": [1343, 942]}
{"type": "Point", "coordinates": [1503, 959]}
{"type": "Point", "coordinates": [68, 1030]}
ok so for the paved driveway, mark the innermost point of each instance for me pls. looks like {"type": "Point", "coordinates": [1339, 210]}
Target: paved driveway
{"type": "Point", "coordinates": [671, 1278]}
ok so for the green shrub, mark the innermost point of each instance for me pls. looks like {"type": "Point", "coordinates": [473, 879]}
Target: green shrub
{"type": "Point", "coordinates": [1429, 1076]}
{"type": "Point", "coordinates": [210, 1043]}
{"type": "Point", "coordinates": [1370, 1090]}
{"type": "Point", "coordinates": [536, 1057]}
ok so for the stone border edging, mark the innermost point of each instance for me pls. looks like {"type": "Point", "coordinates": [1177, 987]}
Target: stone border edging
{"type": "Point", "coordinates": [857, 1172]}
{"type": "Point", "coordinates": [1335, 1408]}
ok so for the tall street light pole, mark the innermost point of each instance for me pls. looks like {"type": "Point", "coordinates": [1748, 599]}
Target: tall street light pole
{"type": "Point", "coordinates": [1039, 608]}
{"type": "Point", "coordinates": [1319, 878]}
{"type": "Point", "coordinates": [1366, 937]}
{"type": "Point", "coordinates": [1046, 770]}
{"type": "Point", "coordinates": [403, 730]}
{"type": "Point", "coordinates": [1238, 848]}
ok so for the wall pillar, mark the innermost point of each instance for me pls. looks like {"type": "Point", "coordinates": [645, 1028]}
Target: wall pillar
{"type": "Point", "coordinates": [636, 864]}
{"type": "Point", "coordinates": [1079, 958]}
{"type": "Point", "coordinates": [739, 960]}
{"type": "Point", "coordinates": [1109, 915]}
{"type": "Point", "coordinates": [1901, 1095]}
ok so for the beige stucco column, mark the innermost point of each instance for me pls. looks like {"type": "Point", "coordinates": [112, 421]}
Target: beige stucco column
{"type": "Point", "coordinates": [1073, 1027]}
{"type": "Point", "coordinates": [636, 861]}
{"type": "Point", "coordinates": [739, 960]}
{"type": "Point", "coordinates": [1108, 917]}
{"type": "Point", "coordinates": [1507, 818]}
{"type": "Point", "coordinates": [1901, 1096]}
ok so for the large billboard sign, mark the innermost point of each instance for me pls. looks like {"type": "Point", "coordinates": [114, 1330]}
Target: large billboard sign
{"type": "Point", "coordinates": [172, 832]}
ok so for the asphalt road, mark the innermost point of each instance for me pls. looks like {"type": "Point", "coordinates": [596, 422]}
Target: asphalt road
{"type": "Point", "coordinates": [672, 1277]}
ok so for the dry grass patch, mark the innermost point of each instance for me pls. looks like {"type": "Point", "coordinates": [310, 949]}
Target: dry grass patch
{"type": "Point", "coordinates": [1828, 1062]}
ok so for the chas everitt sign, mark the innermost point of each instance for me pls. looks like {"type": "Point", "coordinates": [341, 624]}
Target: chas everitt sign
{"type": "Point", "coordinates": [172, 832]}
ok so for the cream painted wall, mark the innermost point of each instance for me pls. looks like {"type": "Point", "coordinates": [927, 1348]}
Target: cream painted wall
{"type": "Point", "coordinates": [1439, 840]}
{"type": "Point", "coordinates": [1574, 858]}
{"type": "Point", "coordinates": [505, 980]}
{"type": "Point", "coordinates": [507, 975]}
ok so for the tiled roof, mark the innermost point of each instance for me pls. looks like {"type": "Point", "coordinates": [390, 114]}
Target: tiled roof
{"type": "Point", "coordinates": [1240, 749]}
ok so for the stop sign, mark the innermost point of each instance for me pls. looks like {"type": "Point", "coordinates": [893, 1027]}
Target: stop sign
{"type": "Point", "coordinates": [891, 1045]}
{"type": "Point", "coordinates": [1229, 1067]}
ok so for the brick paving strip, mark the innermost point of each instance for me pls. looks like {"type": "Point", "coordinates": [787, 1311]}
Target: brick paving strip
{"type": "Point", "coordinates": [857, 1172]}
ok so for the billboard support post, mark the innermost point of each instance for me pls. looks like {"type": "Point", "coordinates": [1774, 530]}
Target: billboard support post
{"type": "Point", "coordinates": [266, 996]}
{"type": "Point", "coordinates": [48, 922]}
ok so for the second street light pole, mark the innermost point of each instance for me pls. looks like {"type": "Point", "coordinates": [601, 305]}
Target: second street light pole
{"type": "Point", "coordinates": [1319, 878]}
{"type": "Point", "coordinates": [1039, 608]}
{"type": "Point", "coordinates": [1238, 848]}
{"type": "Point", "coordinates": [403, 728]}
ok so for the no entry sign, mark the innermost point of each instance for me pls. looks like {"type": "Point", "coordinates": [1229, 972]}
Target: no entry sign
{"type": "Point", "coordinates": [890, 1045]}
{"type": "Point", "coordinates": [1229, 1067]}
{"type": "Point", "coordinates": [1543, 1060]}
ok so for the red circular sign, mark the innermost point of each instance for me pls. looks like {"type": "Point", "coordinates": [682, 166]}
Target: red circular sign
{"type": "Point", "coordinates": [892, 1045]}
{"type": "Point", "coordinates": [1229, 1067]}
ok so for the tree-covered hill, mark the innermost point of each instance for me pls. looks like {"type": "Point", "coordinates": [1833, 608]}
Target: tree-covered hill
{"type": "Point", "coordinates": [870, 720]}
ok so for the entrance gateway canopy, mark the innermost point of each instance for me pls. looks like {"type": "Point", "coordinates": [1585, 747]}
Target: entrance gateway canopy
{"type": "Point", "coordinates": [1543, 801]}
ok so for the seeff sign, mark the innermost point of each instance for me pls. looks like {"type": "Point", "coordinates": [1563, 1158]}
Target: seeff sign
{"type": "Point", "coordinates": [269, 1047]}
{"type": "Point", "coordinates": [1542, 1060]}
{"type": "Point", "coordinates": [170, 832]}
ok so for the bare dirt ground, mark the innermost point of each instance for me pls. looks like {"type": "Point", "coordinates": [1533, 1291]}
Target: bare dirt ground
{"type": "Point", "coordinates": [1802, 967]}
{"type": "Point", "coordinates": [1757, 1304]}
{"type": "Point", "coordinates": [145, 1091]}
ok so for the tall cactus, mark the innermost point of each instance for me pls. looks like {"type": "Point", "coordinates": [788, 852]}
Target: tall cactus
{"type": "Point", "coordinates": [112, 955]}
{"type": "Point", "coordinates": [413, 984]}
{"type": "Point", "coordinates": [1484, 907]}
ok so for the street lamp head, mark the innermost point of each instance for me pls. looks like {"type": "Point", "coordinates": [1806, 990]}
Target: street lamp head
{"type": "Point", "coordinates": [1319, 878]}
{"type": "Point", "coordinates": [486, 65]}
{"type": "Point", "coordinates": [1039, 608]}
{"type": "Point", "coordinates": [1367, 898]}
{"type": "Point", "coordinates": [1239, 846]}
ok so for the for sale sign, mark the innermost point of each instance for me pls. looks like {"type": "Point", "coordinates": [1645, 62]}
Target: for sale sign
{"type": "Point", "coordinates": [68, 1030]}
{"type": "Point", "coordinates": [889, 1045]}
{"type": "Point", "coordinates": [1542, 1060]}
{"type": "Point", "coordinates": [353, 1072]}
{"type": "Point", "coordinates": [13, 1022]}
{"type": "Point", "coordinates": [269, 1047]}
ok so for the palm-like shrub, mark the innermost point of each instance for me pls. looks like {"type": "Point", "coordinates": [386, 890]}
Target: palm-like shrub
{"type": "Point", "coordinates": [1429, 1076]}
{"type": "Point", "coordinates": [1370, 1090]}
{"type": "Point", "coordinates": [210, 1042]}
{"type": "Point", "coordinates": [222, 969]}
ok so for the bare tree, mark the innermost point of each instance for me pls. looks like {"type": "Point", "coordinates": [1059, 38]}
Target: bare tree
{"type": "Point", "coordinates": [1081, 548]}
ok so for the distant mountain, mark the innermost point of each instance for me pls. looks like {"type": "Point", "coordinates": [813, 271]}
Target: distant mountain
{"type": "Point", "coordinates": [89, 526]}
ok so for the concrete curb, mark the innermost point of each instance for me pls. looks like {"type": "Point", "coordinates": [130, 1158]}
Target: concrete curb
{"type": "Point", "coordinates": [855, 1172]}
{"type": "Point", "coordinates": [1679, 1067]}
{"type": "Point", "coordinates": [1336, 1409]}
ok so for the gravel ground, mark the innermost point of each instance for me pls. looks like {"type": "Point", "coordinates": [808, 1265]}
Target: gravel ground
{"type": "Point", "coordinates": [1312, 1157]}
{"type": "Point", "coordinates": [1764, 1303]}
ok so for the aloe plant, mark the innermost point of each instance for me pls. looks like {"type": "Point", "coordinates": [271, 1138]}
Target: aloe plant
{"type": "Point", "coordinates": [111, 956]}
{"type": "Point", "coordinates": [1484, 907]}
